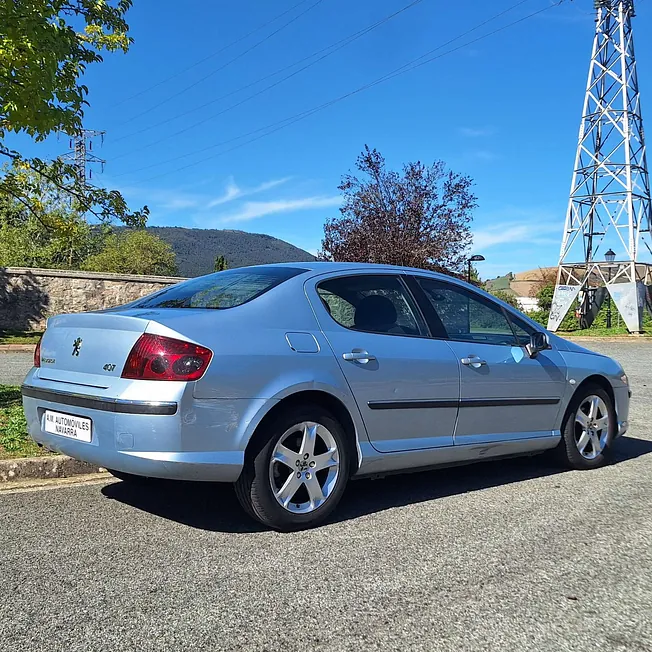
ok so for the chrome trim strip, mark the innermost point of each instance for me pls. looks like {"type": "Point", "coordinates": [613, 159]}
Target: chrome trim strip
{"type": "Point", "coordinates": [119, 405]}
{"type": "Point", "coordinates": [463, 403]}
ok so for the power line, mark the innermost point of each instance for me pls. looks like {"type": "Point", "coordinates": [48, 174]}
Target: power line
{"type": "Point", "coordinates": [290, 120]}
{"type": "Point", "coordinates": [333, 47]}
{"type": "Point", "coordinates": [223, 66]}
{"type": "Point", "coordinates": [210, 56]}
{"type": "Point", "coordinates": [307, 112]}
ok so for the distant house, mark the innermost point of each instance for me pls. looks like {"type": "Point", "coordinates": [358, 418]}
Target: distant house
{"type": "Point", "coordinates": [523, 285]}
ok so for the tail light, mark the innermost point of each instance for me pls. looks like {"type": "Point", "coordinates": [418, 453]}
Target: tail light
{"type": "Point", "coordinates": [154, 357]}
{"type": "Point", "coordinates": [37, 352]}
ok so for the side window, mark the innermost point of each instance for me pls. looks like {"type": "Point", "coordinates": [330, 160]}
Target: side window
{"type": "Point", "coordinates": [469, 317]}
{"type": "Point", "coordinates": [521, 330]}
{"type": "Point", "coordinates": [372, 303]}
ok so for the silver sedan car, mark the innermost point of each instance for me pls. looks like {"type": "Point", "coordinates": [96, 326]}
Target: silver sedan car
{"type": "Point", "coordinates": [289, 380]}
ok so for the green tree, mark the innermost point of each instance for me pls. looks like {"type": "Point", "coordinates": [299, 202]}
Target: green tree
{"type": "Point", "coordinates": [220, 264]}
{"type": "Point", "coordinates": [134, 252]}
{"type": "Point", "coordinates": [55, 236]}
{"type": "Point", "coordinates": [45, 48]}
{"type": "Point", "coordinates": [475, 275]}
{"type": "Point", "coordinates": [418, 217]}
{"type": "Point", "coordinates": [544, 296]}
{"type": "Point", "coordinates": [507, 297]}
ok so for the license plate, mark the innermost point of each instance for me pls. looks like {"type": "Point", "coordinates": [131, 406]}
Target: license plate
{"type": "Point", "coordinates": [67, 425]}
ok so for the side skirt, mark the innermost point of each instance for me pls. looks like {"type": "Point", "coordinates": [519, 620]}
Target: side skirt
{"type": "Point", "coordinates": [378, 464]}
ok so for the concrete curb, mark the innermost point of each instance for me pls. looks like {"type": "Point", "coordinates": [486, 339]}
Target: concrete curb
{"type": "Point", "coordinates": [43, 468]}
{"type": "Point", "coordinates": [17, 348]}
{"type": "Point", "coordinates": [628, 339]}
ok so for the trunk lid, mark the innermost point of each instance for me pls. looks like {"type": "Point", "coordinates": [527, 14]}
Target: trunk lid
{"type": "Point", "coordinates": [88, 348]}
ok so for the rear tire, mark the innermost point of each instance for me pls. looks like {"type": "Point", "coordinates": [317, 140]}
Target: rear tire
{"type": "Point", "coordinates": [296, 471]}
{"type": "Point", "coordinates": [588, 430]}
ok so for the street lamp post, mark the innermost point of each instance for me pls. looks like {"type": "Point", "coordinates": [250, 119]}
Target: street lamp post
{"type": "Point", "coordinates": [610, 256]}
{"type": "Point", "coordinates": [477, 258]}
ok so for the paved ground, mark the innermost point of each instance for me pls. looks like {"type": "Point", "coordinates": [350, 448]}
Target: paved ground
{"type": "Point", "coordinates": [14, 367]}
{"type": "Point", "coordinates": [501, 557]}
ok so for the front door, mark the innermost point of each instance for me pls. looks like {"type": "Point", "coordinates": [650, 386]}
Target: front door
{"type": "Point", "coordinates": [505, 394]}
{"type": "Point", "coordinates": [406, 385]}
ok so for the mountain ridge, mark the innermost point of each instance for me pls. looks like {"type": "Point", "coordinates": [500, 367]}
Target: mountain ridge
{"type": "Point", "coordinates": [196, 249]}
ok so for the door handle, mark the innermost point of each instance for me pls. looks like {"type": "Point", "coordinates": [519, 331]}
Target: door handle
{"type": "Point", "coordinates": [359, 356]}
{"type": "Point", "coordinates": [474, 361]}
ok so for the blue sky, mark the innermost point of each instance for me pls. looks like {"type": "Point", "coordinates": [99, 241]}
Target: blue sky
{"type": "Point", "coordinates": [504, 110]}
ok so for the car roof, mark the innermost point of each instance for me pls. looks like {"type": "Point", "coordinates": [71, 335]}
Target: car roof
{"type": "Point", "coordinates": [321, 267]}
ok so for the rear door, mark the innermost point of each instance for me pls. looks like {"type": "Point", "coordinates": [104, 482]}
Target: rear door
{"type": "Point", "coordinates": [405, 383]}
{"type": "Point", "coordinates": [505, 394]}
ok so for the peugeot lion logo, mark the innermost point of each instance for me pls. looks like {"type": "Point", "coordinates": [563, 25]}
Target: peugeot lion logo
{"type": "Point", "coordinates": [76, 345]}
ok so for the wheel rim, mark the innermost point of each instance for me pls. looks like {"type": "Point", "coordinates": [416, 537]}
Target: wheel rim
{"type": "Point", "coordinates": [591, 427]}
{"type": "Point", "coordinates": [304, 467]}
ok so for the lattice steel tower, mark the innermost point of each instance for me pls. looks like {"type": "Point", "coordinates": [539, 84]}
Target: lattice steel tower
{"type": "Point", "coordinates": [81, 153]}
{"type": "Point", "coordinates": [609, 205]}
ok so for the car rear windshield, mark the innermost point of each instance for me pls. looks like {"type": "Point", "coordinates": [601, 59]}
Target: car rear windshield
{"type": "Point", "coordinates": [226, 289]}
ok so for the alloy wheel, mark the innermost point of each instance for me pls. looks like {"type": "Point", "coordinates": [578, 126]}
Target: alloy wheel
{"type": "Point", "coordinates": [591, 427]}
{"type": "Point", "coordinates": [304, 467]}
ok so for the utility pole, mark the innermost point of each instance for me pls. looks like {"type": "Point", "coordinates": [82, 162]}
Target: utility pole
{"type": "Point", "coordinates": [610, 193]}
{"type": "Point", "coordinates": [81, 153]}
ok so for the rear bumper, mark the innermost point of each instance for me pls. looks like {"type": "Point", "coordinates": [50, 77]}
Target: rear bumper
{"type": "Point", "coordinates": [202, 440]}
{"type": "Point", "coordinates": [222, 466]}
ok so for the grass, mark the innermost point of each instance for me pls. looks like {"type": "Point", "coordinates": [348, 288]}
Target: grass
{"type": "Point", "coordinates": [600, 331]}
{"type": "Point", "coordinates": [14, 440]}
{"type": "Point", "coordinates": [19, 337]}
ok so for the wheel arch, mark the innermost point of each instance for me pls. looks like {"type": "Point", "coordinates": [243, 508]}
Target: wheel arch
{"type": "Point", "coordinates": [317, 397]}
{"type": "Point", "coordinates": [594, 379]}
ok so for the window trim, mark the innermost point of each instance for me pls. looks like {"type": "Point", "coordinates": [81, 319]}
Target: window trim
{"type": "Point", "coordinates": [432, 317]}
{"type": "Point", "coordinates": [401, 277]}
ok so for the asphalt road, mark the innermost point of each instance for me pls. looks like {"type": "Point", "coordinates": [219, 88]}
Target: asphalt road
{"type": "Point", "coordinates": [501, 557]}
{"type": "Point", "coordinates": [14, 367]}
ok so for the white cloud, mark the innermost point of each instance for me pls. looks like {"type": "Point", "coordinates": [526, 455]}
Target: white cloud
{"type": "Point", "coordinates": [471, 132]}
{"type": "Point", "coordinates": [484, 155]}
{"type": "Point", "coordinates": [267, 185]}
{"type": "Point", "coordinates": [514, 232]}
{"type": "Point", "coordinates": [233, 191]}
{"type": "Point", "coordinates": [254, 209]}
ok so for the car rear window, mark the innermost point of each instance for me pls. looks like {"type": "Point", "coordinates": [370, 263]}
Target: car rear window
{"type": "Point", "coordinates": [222, 290]}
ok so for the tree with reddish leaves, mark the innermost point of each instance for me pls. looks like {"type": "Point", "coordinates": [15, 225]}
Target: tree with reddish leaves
{"type": "Point", "coordinates": [418, 217]}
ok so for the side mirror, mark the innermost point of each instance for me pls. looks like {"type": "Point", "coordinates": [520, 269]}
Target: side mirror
{"type": "Point", "coordinates": [538, 342]}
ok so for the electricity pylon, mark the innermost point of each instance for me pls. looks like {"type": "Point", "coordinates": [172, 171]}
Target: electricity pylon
{"type": "Point", "coordinates": [609, 204]}
{"type": "Point", "coordinates": [81, 153]}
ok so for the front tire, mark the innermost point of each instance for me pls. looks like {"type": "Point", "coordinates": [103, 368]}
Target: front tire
{"type": "Point", "coordinates": [296, 471]}
{"type": "Point", "coordinates": [588, 430]}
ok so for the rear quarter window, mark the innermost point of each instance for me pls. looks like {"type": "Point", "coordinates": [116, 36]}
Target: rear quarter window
{"type": "Point", "coordinates": [221, 290]}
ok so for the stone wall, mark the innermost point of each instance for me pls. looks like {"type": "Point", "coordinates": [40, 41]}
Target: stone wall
{"type": "Point", "coordinates": [29, 296]}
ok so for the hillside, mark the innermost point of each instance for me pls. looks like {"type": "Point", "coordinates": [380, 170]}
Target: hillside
{"type": "Point", "coordinates": [196, 249]}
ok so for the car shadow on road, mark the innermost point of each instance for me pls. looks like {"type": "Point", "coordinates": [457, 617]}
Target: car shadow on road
{"type": "Point", "coordinates": [214, 507]}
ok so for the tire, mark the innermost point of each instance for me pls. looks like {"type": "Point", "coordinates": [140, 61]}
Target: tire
{"type": "Point", "coordinates": [584, 448]}
{"type": "Point", "coordinates": [315, 462]}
